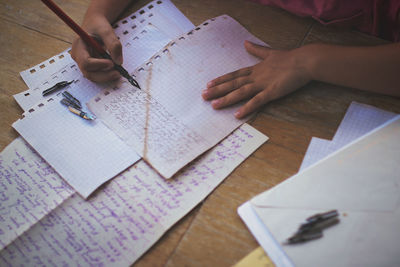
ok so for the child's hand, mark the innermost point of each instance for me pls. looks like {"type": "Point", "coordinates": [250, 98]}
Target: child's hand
{"type": "Point", "coordinates": [280, 73]}
{"type": "Point", "coordinates": [98, 69]}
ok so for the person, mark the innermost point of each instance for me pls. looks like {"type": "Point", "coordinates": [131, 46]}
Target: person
{"type": "Point", "coordinates": [279, 72]}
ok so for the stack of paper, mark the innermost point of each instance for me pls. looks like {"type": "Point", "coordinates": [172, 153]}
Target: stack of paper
{"type": "Point", "coordinates": [360, 180]}
{"type": "Point", "coordinates": [45, 221]}
{"type": "Point", "coordinates": [167, 122]}
{"type": "Point", "coordinates": [73, 146]}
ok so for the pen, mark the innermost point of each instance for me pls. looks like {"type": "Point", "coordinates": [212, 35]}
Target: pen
{"type": "Point", "coordinates": [88, 40]}
{"type": "Point", "coordinates": [56, 87]}
{"type": "Point", "coordinates": [81, 113]}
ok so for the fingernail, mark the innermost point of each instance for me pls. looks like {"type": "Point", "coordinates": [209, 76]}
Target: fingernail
{"type": "Point", "coordinates": [204, 93]}
{"type": "Point", "coordinates": [237, 114]}
{"type": "Point", "coordinates": [216, 103]}
{"type": "Point", "coordinates": [210, 84]}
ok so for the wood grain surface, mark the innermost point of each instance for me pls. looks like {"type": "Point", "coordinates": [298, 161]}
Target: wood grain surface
{"type": "Point", "coordinates": [212, 234]}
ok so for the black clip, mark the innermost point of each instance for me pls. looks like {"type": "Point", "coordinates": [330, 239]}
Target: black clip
{"type": "Point", "coordinates": [313, 227]}
{"type": "Point", "coordinates": [56, 87]}
{"type": "Point", "coordinates": [73, 101]}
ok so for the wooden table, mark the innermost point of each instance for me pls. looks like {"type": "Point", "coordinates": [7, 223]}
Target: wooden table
{"type": "Point", "coordinates": [212, 234]}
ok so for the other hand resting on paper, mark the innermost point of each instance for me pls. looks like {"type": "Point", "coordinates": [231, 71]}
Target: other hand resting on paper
{"type": "Point", "coordinates": [282, 72]}
{"type": "Point", "coordinates": [97, 22]}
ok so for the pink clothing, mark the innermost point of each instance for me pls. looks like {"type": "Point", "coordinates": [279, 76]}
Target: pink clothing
{"type": "Point", "coordinates": [376, 17]}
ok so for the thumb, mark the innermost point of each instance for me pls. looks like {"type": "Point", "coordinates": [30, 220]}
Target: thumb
{"type": "Point", "coordinates": [257, 50]}
{"type": "Point", "coordinates": [113, 45]}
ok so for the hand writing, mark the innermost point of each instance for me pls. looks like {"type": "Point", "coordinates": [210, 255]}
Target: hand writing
{"type": "Point", "coordinates": [98, 69]}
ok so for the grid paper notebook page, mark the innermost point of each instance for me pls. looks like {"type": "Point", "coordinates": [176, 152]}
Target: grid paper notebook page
{"type": "Point", "coordinates": [129, 214]}
{"type": "Point", "coordinates": [85, 153]}
{"type": "Point", "coordinates": [160, 16]}
{"type": "Point", "coordinates": [167, 122]}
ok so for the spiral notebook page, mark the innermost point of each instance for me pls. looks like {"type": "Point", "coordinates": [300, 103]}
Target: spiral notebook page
{"type": "Point", "coordinates": [141, 34]}
{"type": "Point", "coordinates": [167, 122]}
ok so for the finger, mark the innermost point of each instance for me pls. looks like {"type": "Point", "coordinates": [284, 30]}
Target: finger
{"type": "Point", "coordinates": [113, 45]}
{"type": "Point", "coordinates": [97, 64]}
{"type": "Point", "coordinates": [253, 104]}
{"type": "Point", "coordinates": [229, 76]}
{"type": "Point", "coordinates": [225, 88]}
{"type": "Point", "coordinates": [243, 93]}
{"type": "Point", "coordinates": [84, 60]}
{"type": "Point", "coordinates": [79, 51]}
{"type": "Point", "coordinates": [257, 50]}
{"type": "Point", "coordinates": [102, 76]}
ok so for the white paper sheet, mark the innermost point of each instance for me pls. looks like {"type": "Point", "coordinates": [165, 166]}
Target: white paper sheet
{"type": "Point", "coordinates": [85, 153]}
{"type": "Point", "coordinates": [359, 120]}
{"type": "Point", "coordinates": [167, 122]}
{"type": "Point", "coordinates": [29, 190]}
{"type": "Point", "coordinates": [126, 217]}
{"type": "Point", "coordinates": [141, 34]}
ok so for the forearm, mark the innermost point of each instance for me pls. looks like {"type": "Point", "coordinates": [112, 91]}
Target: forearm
{"type": "Point", "coordinates": [110, 9]}
{"type": "Point", "coordinates": [367, 68]}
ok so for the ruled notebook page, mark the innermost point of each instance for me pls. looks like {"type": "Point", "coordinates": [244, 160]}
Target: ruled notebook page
{"type": "Point", "coordinates": [167, 122]}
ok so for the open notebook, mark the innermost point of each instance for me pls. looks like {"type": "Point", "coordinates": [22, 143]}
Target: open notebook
{"type": "Point", "coordinates": [166, 122]}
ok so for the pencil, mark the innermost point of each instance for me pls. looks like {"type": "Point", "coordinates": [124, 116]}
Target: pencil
{"type": "Point", "coordinates": [89, 40]}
